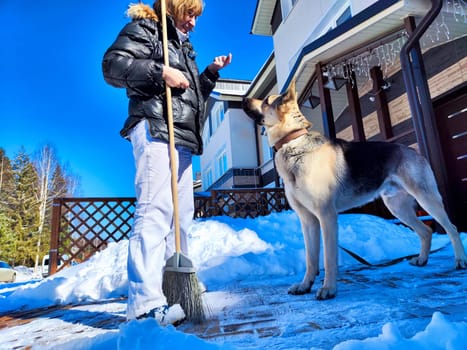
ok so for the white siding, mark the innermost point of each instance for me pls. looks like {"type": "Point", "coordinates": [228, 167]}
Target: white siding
{"type": "Point", "coordinates": [307, 21]}
{"type": "Point", "coordinates": [243, 146]}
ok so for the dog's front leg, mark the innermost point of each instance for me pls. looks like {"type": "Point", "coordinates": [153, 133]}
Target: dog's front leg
{"type": "Point", "coordinates": [328, 221]}
{"type": "Point", "coordinates": [310, 230]}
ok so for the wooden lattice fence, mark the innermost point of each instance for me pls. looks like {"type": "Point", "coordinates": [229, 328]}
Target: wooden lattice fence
{"type": "Point", "coordinates": [83, 226]}
{"type": "Point", "coordinates": [247, 203]}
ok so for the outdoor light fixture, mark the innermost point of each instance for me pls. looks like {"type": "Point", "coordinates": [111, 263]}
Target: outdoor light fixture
{"type": "Point", "coordinates": [314, 101]}
{"type": "Point", "coordinates": [335, 83]}
{"type": "Point", "coordinates": [386, 85]}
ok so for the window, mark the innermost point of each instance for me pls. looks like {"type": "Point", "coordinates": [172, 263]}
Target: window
{"type": "Point", "coordinates": [336, 18]}
{"type": "Point", "coordinates": [286, 7]}
{"type": "Point", "coordinates": [217, 114]}
{"type": "Point", "coordinates": [344, 16]}
{"type": "Point", "coordinates": [206, 133]}
{"type": "Point", "coordinates": [207, 178]}
{"type": "Point", "coordinates": [221, 163]}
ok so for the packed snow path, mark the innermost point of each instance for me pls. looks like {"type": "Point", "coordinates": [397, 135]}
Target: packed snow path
{"type": "Point", "coordinates": [260, 314]}
{"type": "Point", "coordinates": [264, 316]}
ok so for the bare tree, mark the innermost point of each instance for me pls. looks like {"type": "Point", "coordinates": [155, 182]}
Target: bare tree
{"type": "Point", "coordinates": [54, 180]}
{"type": "Point", "coordinates": [45, 164]}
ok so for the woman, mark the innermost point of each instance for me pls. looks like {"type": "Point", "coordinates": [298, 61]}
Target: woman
{"type": "Point", "coordinates": [135, 62]}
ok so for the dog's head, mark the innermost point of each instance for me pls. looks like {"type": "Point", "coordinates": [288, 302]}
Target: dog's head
{"type": "Point", "coordinates": [279, 114]}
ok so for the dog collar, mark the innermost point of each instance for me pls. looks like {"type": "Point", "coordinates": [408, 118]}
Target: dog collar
{"type": "Point", "coordinates": [289, 137]}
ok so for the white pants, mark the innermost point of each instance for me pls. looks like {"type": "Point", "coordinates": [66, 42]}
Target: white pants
{"type": "Point", "coordinates": [152, 240]}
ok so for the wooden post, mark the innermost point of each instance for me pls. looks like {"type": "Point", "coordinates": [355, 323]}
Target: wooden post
{"type": "Point", "coordinates": [326, 105]}
{"type": "Point", "coordinates": [354, 108]}
{"type": "Point", "coordinates": [382, 109]}
{"type": "Point", "coordinates": [55, 235]}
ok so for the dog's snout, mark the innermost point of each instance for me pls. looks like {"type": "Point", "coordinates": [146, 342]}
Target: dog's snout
{"type": "Point", "coordinates": [246, 103]}
{"type": "Point", "coordinates": [251, 109]}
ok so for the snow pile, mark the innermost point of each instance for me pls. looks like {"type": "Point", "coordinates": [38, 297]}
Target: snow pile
{"type": "Point", "coordinates": [99, 278]}
{"type": "Point", "coordinates": [145, 334]}
{"type": "Point", "coordinates": [438, 335]}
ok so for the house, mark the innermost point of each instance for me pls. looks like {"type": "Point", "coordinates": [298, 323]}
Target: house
{"type": "Point", "coordinates": [228, 139]}
{"type": "Point", "coordinates": [372, 70]}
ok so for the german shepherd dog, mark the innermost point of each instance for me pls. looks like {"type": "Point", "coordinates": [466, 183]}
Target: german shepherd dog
{"type": "Point", "coordinates": [323, 177]}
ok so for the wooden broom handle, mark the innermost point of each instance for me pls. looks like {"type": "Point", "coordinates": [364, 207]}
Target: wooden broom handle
{"type": "Point", "coordinates": [170, 122]}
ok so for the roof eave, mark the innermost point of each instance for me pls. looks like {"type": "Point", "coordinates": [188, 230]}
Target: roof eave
{"type": "Point", "coordinates": [383, 17]}
{"type": "Point", "coordinates": [262, 19]}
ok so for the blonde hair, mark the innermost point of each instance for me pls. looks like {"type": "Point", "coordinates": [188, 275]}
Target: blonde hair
{"type": "Point", "coordinates": [178, 9]}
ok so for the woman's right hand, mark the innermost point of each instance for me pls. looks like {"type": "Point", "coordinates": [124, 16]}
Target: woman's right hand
{"type": "Point", "coordinates": [174, 78]}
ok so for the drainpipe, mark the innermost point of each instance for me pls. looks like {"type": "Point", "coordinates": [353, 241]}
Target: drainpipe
{"type": "Point", "coordinates": [420, 101]}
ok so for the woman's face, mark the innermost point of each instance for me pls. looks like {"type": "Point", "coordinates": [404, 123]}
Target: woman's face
{"type": "Point", "coordinates": [187, 23]}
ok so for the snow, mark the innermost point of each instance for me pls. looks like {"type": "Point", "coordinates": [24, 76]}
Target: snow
{"type": "Point", "coordinates": [256, 252]}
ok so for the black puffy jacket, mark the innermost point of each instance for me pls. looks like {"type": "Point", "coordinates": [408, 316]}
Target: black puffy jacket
{"type": "Point", "coordinates": [134, 61]}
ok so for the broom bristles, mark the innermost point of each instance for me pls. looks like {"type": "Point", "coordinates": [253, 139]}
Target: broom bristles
{"type": "Point", "coordinates": [183, 288]}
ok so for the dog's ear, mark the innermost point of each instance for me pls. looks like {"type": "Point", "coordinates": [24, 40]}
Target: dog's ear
{"type": "Point", "coordinates": [291, 94]}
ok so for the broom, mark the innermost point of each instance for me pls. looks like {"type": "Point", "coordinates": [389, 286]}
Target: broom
{"type": "Point", "coordinates": [180, 284]}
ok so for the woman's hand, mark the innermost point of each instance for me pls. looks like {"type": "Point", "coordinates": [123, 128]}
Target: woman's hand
{"type": "Point", "coordinates": [174, 78]}
{"type": "Point", "coordinates": [220, 62]}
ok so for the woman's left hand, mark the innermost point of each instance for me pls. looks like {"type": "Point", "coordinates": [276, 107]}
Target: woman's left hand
{"type": "Point", "coordinates": [220, 62]}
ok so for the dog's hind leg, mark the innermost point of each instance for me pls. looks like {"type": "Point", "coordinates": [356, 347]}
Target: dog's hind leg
{"type": "Point", "coordinates": [419, 181]}
{"type": "Point", "coordinates": [310, 230]}
{"type": "Point", "coordinates": [433, 205]}
{"type": "Point", "coordinates": [402, 206]}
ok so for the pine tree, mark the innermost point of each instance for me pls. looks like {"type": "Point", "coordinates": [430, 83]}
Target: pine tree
{"type": "Point", "coordinates": [61, 183]}
{"type": "Point", "coordinates": [7, 239]}
{"type": "Point", "coordinates": [24, 208]}
{"type": "Point", "coordinates": [7, 182]}
{"type": "Point", "coordinates": [7, 185]}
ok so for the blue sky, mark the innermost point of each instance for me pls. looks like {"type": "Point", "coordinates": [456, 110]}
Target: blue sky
{"type": "Point", "coordinates": [52, 90]}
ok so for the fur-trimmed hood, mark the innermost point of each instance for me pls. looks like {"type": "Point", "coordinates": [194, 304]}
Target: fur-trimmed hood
{"type": "Point", "coordinates": [135, 61]}
{"type": "Point", "coordinates": [141, 11]}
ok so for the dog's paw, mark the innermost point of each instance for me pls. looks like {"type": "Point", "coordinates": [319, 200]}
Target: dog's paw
{"type": "Point", "coordinates": [299, 289]}
{"type": "Point", "coordinates": [325, 293]}
{"type": "Point", "coordinates": [417, 261]}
